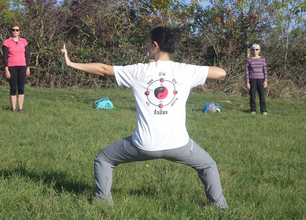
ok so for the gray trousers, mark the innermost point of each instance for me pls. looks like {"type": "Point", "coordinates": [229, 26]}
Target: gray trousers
{"type": "Point", "coordinates": [124, 151]}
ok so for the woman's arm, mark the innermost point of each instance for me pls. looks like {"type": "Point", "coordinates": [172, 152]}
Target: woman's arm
{"type": "Point", "coordinates": [247, 75]}
{"type": "Point", "coordinates": [94, 68]}
{"type": "Point", "coordinates": [27, 56]}
{"type": "Point", "coordinates": [5, 62]}
{"type": "Point", "coordinates": [215, 73]}
{"type": "Point", "coordinates": [265, 72]}
{"type": "Point", "coordinates": [5, 55]}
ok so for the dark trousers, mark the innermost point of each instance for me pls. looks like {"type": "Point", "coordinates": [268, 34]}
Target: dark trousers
{"type": "Point", "coordinates": [18, 78]}
{"type": "Point", "coordinates": [257, 85]}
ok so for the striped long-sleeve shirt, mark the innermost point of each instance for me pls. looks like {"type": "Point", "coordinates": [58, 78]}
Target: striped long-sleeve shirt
{"type": "Point", "coordinates": [256, 69]}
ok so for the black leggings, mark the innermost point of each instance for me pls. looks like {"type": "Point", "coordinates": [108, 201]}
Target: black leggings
{"type": "Point", "coordinates": [18, 77]}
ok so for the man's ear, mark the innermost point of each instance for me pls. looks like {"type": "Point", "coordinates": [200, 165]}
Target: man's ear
{"type": "Point", "coordinates": [155, 45]}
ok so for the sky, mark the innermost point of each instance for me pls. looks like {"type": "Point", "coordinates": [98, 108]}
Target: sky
{"type": "Point", "coordinates": [204, 3]}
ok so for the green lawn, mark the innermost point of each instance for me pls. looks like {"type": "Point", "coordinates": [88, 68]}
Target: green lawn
{"type": "Point", "coordinates": [47, 153]}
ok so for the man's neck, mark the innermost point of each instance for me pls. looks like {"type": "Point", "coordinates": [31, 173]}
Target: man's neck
{"type": "Point", "coordinates": [162, 56]}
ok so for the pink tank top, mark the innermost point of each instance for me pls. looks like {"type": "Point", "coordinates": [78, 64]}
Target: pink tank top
{"type": "Point", "coordinates": [16, 51]}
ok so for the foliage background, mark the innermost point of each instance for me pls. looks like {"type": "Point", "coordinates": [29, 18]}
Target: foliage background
{"type": "Point", "coordinates": [114, 32]}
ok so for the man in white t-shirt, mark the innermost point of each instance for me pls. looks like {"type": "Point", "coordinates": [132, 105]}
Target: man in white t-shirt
{"type": "Point", "coordinates": [161, 89]}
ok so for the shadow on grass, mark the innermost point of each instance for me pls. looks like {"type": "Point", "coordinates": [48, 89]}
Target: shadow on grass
{"type": "Point", "coordinates": [59, 181]}
{"type": "Point", "coordinates": [6, 108]}
{"type": "Point", "coordinates": [165, 195]}
{"type": "Point", "coordinates": [246, 111]}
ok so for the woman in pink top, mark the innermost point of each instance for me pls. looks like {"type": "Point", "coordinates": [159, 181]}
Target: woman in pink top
{"type": "Point", "coordinates": [16, 63]}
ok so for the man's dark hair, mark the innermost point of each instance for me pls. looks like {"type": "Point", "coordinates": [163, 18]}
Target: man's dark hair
{"type": "Point", "coordinates": [167, 38]}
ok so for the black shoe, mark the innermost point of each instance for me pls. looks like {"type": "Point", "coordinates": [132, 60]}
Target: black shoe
{"type": "Point", "coordinates": [19, 110]}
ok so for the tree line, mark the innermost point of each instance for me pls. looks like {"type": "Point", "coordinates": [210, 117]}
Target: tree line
{"type": "Point", "coordinates": [115, 32]}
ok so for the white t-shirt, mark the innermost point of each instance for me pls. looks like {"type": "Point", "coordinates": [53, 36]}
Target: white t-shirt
{"type": "Point", "coordinates": [160, 91]}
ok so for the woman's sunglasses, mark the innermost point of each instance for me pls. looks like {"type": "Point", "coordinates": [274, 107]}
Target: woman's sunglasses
{"type": "Point", "coordinates": [15, 30]}
{"type": "Point", "coordinates": [255, 49]}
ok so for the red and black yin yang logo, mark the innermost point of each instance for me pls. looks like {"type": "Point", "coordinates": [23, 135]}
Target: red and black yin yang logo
{"type": "Point", "coordinates": [161, 92]}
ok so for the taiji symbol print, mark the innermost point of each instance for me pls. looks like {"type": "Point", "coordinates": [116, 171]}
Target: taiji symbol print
{"type": "Point", "coordinates": [163, 92]}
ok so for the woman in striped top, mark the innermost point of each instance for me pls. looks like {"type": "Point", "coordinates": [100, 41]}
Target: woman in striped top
{"type": "Point", "coordinates": [257, 79]}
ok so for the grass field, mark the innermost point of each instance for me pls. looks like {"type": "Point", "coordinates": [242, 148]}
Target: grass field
{"type": "Point", "coordinates": [47, 153]}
